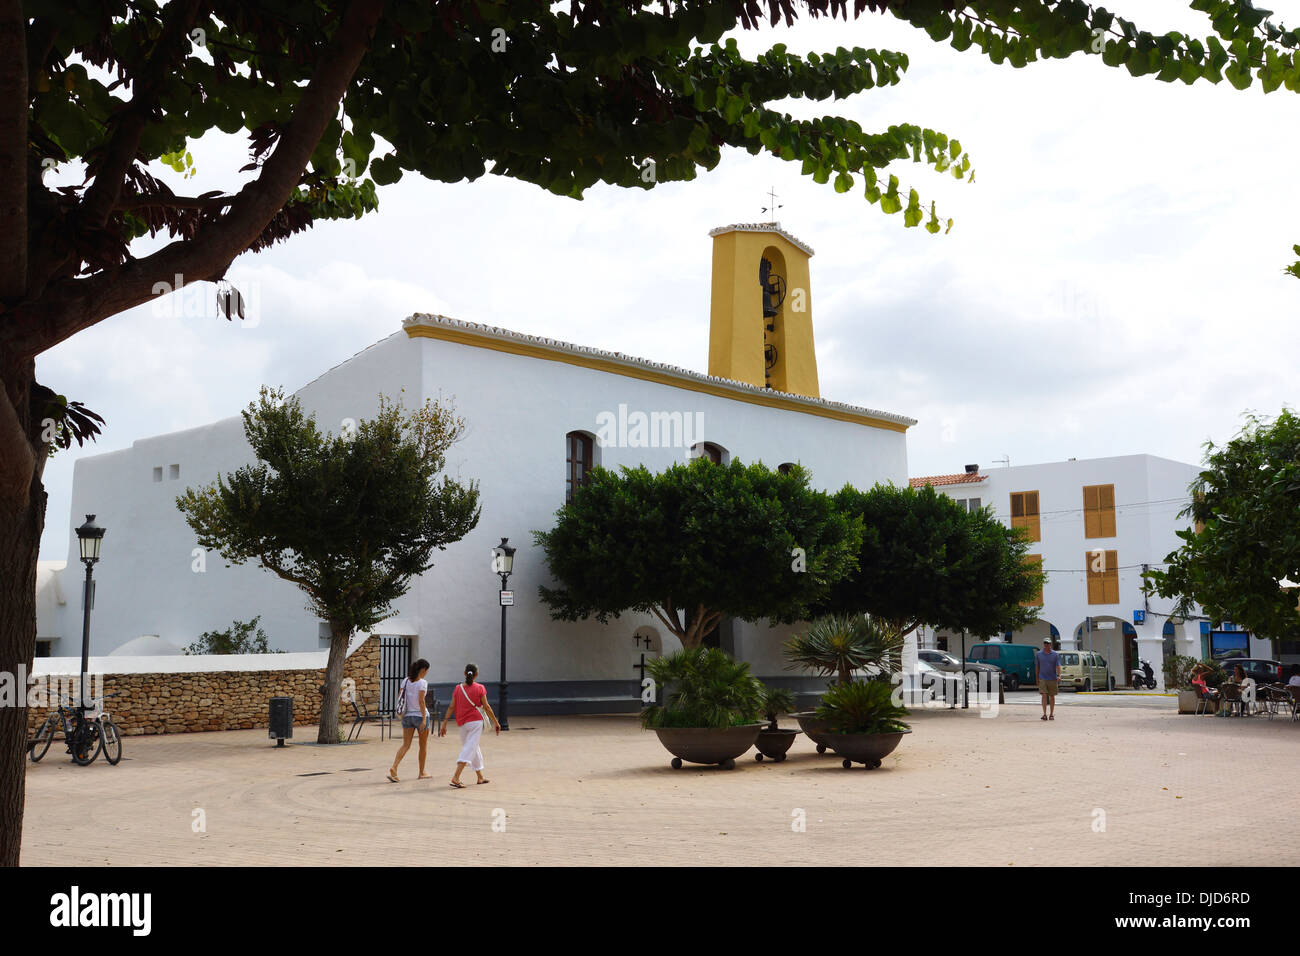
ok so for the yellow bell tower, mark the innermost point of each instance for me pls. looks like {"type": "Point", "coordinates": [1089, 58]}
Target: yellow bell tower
{"type": "Point", "coordinates": [760, 317]}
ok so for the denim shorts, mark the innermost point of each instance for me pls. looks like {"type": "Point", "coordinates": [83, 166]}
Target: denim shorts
{"type": "Point", "coordinates": [413, 720]}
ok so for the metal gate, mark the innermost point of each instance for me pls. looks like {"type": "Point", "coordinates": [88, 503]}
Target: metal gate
{"type": "Point", "coordinates": [394, 663]}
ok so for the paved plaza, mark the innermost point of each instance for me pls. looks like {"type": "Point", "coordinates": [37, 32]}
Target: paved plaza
{"type": "Point", "coordinates": [1110, 781]}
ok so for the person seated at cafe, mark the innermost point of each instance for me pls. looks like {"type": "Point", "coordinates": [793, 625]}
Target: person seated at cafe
{"type": "Point", "coordinates": [1199, 673]}
{"type": "Point", "coordinates": [1295, 676]}
{"type": "Point", "coordinates": [1247, 684]}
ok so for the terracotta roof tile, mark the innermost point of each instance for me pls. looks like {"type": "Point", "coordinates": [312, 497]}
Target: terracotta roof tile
{"type": "Point", "coordinates": [961, 479]}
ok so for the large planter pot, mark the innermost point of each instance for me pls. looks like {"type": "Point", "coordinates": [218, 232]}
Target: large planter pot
{"type": "Point", "coordinates": [774, 743]}
{"type": "Point", "coordinates": [816, 729]}
{"type": "Point", "coordinates": [868, 749]}
{"type": "Point", "coordinates": [708, 744]}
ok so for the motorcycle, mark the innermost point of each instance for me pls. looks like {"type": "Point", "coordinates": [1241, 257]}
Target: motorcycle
{"type": "Point", "coordinates": [1140, 677]}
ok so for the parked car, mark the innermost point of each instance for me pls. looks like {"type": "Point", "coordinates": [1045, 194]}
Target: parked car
{"type": "Point", "coordinates": [1085, 670]}
{"type": "Point", "coordinates": [943, 661]}
{"type": "Point", "coordinates": [928, 682]}
{"type": "Point", "coordinates": [1264, 671]}
{"type": "Point", "coordinates": [1015, 660]}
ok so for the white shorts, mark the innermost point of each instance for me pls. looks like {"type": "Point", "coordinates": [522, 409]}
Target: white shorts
{"type": "Point", "coordinates": [470, 753]}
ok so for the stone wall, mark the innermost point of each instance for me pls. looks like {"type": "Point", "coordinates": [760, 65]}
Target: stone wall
{"type": "Point", "coordinates": [162, 703]}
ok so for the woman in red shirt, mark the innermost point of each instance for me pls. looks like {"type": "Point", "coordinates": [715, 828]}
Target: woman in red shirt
{"type": "Point", "coordinates": [1199, 673]}
{"type": "Point", "coordinates": [466, 700]}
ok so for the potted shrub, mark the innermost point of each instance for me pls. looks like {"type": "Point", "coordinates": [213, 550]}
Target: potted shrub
{"type": "Point", "coordinates": [864, 721]}
{"type": "Point", "coordinates": [772, 741]}
{"type": "Point", "coordinates": [838, 645]}
{"type": "Point", "coordinates": [710, 707]}
{"type": "Point", "coordinates": [1178, 670]}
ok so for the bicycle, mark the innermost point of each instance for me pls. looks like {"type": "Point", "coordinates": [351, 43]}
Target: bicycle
{"type": "Point", "coordinates": [82, 735]}
{"type": "Point", "coordinates": [110, 739]}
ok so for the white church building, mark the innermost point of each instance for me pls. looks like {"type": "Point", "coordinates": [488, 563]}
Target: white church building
{"type": "Point", "coordinates": [538, 412]}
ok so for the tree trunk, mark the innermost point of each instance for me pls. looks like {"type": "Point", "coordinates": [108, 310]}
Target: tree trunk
{"type": "Point", "coordinates": [21, 523]}
{"type": "Point", "coordinates": [340, 634]}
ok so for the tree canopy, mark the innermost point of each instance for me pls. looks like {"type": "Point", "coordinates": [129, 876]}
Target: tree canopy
{"type": "Point", "coordinates": [925, 559]}
{"type": "Point", "coordinates": [695, 543]}
{"type": "Point", "coordinates": [348, 518]}
{"type": "Point", "coordinates": [1241, 560]}
{"type": "Point", "coordinates": [242, 637]}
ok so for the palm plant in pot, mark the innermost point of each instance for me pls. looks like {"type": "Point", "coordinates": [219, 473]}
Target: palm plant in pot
{"type": "Point", "coordinates": [837, 645]}
{"type": "Point", "coordinates": [711, 706]}
{"type": "Point", "coordinates": [864, 720]}
{"type": "Point", "coordinates": [773, 741]}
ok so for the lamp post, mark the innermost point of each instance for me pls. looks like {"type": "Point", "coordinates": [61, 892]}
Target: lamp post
{"type": "Point", "coordinates": [503, 562]}
{"type": "Point", "coordinates": [91, 537]}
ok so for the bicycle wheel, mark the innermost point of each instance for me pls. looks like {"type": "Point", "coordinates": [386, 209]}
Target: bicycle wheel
{"type": "Point", "coordinates": [110, 741]}
{"type": "Point", "coordinates": [44, 737]}
{"type": "Point", "coordinates": [86, 743]}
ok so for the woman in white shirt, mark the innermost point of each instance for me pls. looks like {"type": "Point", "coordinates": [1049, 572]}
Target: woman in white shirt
{"type": "Point", "coordinates": [1247, 683]}
{"type": "Point", "coordinates": [414, 716]}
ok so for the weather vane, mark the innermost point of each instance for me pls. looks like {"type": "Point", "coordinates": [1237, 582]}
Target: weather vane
{"type": "Point", "coordinates": [773, 207]}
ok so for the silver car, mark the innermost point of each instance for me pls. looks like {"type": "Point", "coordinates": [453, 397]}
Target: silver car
{"type": "Point", "coordinates": [943, 661]}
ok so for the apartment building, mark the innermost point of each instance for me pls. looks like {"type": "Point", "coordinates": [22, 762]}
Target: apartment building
{"type": "Point", "coordinates": [1095, 525]}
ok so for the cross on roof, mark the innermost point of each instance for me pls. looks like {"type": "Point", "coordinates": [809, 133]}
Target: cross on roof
{"type": "Point", "coordinates": [771, 197]}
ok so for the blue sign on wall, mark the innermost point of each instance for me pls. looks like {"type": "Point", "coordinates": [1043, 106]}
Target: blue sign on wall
{"type": "Point", "coordinates": [1139, 617]}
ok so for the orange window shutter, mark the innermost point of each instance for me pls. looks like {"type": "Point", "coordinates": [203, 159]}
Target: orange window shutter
{"type": "Point", "coordinates": [1017, 505]}
{"type": "Point", "coordinates": [1107, 508]}
{"type": "Point", "coordinates": [1091, 524]}
{"type": "Point", "coordinates": [1034, 561]}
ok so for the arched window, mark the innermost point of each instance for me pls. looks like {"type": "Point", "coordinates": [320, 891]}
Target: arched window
{"type": "Point", "coordinates": [707, 449]}
{"type": "Point", "coordinates": [579, 457]}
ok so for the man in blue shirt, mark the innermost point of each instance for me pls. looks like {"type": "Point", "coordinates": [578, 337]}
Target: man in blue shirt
{"type": "Point", "coordinates": [1047, 671]}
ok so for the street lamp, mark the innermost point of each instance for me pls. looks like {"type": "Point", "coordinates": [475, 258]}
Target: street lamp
{"type": "Point", "coordinates": [91, 538]}
{"type": "Point", "coordinates": [503, 562]}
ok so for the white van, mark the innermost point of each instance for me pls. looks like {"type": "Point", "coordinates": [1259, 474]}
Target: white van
{"type": "Point", "coordinates": [1085, 670]}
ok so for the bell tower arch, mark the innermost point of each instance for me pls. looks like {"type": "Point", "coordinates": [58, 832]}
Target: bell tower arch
{"type": "Point", "coordinates": [760, 317]}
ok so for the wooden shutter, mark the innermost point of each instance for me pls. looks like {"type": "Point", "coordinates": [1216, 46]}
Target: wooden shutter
{"type": "Point", "coordinates": [1094, 585]}
{"type": "Point", "coordinates": [1024, 513]}
{"type": "Point", "coordinates": [1103, 586]}
{"type": "Point", "coordinates": [1091, 512]}
{"type": "Point", "coordinates": [1106, 503]}
{"type": "Point", "coordinates": [1035, 561]}
{"type": "Point", "coordinates": [1099, 511]}
{"type": "Point", "coordinates": [1110, 579]}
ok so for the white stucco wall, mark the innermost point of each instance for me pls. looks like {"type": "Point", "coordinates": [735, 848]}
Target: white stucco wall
{"type": "Point", "coordinates": [518, 410]}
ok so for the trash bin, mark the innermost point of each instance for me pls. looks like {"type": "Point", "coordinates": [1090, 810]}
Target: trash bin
{"type": "Point", "coordinates": [281, 719]}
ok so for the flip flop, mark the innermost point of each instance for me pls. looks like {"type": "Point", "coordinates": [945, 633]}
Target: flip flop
{"type": "Point", "coordinates": [1044, 717]}
{"type": "Point", "coordinates": [1052, 717]}
{"type": "Point", "coordinates": [392, 779]}
{"type": "Point", "coordinates": [482, 781]}
{"type": "Point", "coordinates": [458, 786]}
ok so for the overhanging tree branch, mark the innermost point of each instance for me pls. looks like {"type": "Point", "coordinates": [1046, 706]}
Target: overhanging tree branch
{"type": "Point", "coordinates": [123, 145]}
{"type": "Point", "coordinates": [73, 305]}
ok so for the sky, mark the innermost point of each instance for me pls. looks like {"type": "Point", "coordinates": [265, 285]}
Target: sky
{"type": "Point", "coordinates": [1112, 284]}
